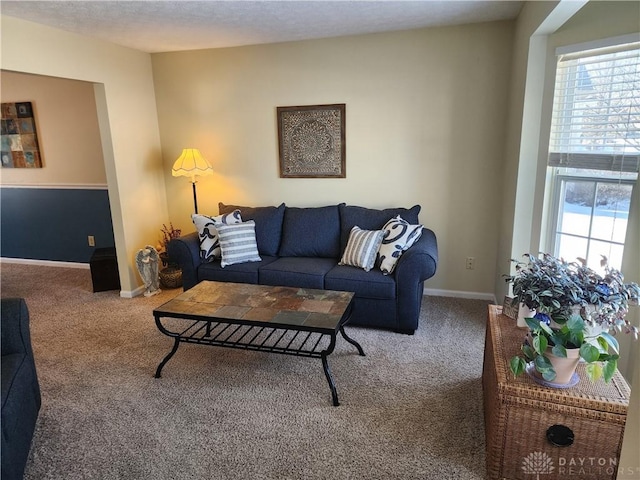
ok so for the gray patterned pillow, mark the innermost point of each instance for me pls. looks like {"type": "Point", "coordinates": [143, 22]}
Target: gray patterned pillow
{"type": "Point", "coordinates": [208, 234]}
{"type": "Point", "coordinates": [399, 235]}
{"type": "Point", "coordinates": [238, 243]}
{"type": "Point", "coordinates": [362, 248]}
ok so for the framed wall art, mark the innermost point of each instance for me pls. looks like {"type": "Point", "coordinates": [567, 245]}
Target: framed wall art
{"type": "Point", "coordinates": [20, 147]}
{"type": "Point", "coordinates": [311, 141]}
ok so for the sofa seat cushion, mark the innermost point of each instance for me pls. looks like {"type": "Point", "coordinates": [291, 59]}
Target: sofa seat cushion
{"type": "Point", "coordinates": [371, 284]}
{"type": "Point", "coordinates": [304, 272]}
{"type": "Point", "coordinates": [268, 224]}
{"type": "Point", "coordinates": [311, 232]}
{"type": "Point", "coordinates": [239, 272]}
{"type": "Point", "coordinates": [371, 219]}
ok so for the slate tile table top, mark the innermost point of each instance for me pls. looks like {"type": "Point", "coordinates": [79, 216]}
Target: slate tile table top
{"type": "Point", "coordinates": [285, 320]}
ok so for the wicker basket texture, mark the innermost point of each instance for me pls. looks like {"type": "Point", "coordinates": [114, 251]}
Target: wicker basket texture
{"type": "Point", "coordinates": [518, 413]}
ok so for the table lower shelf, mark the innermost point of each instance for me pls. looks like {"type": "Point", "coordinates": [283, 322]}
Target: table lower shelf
{"type": "Point", "coordinates": [263, 338]}
{"type": "Point", "coordinates": [258, 338]}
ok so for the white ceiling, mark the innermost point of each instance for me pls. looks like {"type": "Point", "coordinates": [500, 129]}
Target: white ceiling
{"type": "Point", "coordinates": [162, 26]}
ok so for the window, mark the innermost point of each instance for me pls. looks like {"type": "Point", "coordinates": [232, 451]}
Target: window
{"type": "Point", "coordinates": [592, 218]}
{"type": "Point", "coordinates": [594, 152]}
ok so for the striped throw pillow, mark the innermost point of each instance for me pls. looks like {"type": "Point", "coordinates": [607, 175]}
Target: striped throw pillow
{"type": "Point", "coordinates": [362, 248]}
{"type": "Point", "coordinates": [238, 243]}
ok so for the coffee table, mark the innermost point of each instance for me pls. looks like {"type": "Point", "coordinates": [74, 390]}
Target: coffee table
{"type": "Point", "coordinates": [291, 321]}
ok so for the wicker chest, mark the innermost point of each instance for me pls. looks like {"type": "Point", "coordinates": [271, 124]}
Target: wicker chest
{"type": "Point", "coordinates": [534, 432]}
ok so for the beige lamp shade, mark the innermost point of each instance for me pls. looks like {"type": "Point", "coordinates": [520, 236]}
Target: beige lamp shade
{"type": "Point", "coordinates": [190, 164]}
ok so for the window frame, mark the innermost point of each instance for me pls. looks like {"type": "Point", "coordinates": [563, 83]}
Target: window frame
{"type": "Point", "coordinates": [619, 164]}
{"type": "Point", "coordinates": [558, 181]}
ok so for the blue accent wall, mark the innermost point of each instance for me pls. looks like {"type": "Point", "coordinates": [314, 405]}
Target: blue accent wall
{"type": "Point", "coordinates": [53, 224]}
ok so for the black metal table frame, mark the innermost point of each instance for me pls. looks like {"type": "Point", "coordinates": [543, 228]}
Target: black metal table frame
{"type": "Point", "coordinates": [200, 329]}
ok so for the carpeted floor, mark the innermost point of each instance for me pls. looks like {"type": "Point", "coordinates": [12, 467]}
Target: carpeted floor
{"type": "Point", "coordinates": [410, 409]}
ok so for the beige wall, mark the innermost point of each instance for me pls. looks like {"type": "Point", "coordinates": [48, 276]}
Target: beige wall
{"type": "Point", "coordinates": [127, 120]}
{"type": "Point", "coordinates": [425, 125]}
{"type": "Point", "coordinates": [68, 132]}
{"type": "Point", "coordinates": [599, 20]}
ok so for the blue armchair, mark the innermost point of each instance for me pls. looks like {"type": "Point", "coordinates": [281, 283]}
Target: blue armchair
{"type": "Point", "coordinates": [20, 388]}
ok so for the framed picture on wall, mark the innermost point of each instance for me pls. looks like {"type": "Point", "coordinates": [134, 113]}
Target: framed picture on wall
{"type": "Point", "coordinates": [20, 148]}
{"type": "Point", "coordinates": [311, 141]}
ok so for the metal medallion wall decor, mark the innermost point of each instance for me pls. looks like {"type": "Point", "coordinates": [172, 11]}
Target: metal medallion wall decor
{"type": "Point", "coordinates": [311, 141]}
{"type": "Point", "coordinates": [19, 138]}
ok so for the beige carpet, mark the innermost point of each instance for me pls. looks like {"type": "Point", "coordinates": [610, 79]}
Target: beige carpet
{"type": "Point", "coordinates": [410, 409]}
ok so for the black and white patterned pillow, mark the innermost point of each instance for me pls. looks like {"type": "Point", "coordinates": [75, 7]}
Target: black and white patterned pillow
{"type": "Point", "coordinates": [208, 234]}
{"type": "Point", "coordinates": [399, 235]}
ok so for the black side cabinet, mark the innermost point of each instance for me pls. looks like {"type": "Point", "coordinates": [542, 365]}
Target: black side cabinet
{"type": "Point", "coordinates": [104, 270]}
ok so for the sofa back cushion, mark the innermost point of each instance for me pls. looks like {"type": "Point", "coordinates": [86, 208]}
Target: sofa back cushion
{"type": "Point", "coordinates": [311, 232]}
{"type": "Point", "coordinates": [268, 225]}
{"type": "Point", "coordinates": [371, 219]}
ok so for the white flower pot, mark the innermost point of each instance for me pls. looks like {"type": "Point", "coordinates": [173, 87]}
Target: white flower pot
{"type": "Point", "coordinates": [524, 312]}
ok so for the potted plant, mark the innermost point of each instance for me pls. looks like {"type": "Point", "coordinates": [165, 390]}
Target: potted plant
{"type": "Point", "coordinates": [171, 275]}
{"type": "Point", "coordinates": [168, 234]}
{"type": "Point", "coordinates": [546, 285]}
{"type": "Point", "coordinates": [578, 309]}
{"type": "Point", "coordinates": [554, 353]}
{"type": "Point", "coordinates": [606, 298]}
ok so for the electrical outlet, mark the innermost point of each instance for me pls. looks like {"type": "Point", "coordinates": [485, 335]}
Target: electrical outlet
{"type": "Point", "coordinates": [92, 240]}
{"type": "Point", "coordinates": [471, 263]}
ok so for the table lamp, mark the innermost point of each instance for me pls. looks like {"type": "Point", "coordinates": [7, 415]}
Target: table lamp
{"type": "Point", "coordinates": [190, 164]}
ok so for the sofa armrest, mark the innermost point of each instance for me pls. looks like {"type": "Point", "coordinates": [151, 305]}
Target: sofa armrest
{"type": "Point", "coordinates": [21, 398]}
{"type": "Point", "coordinates": [414, 267]}
{"type": "Point", "coordinates": [419, 263]}
{"type": "Point", "coordinates": [185, 251]}
{"type": "Point", "coordinates": [16, 337]}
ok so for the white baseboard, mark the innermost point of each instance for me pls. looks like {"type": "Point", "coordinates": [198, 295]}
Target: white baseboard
{"type": "Point", "coordinates": [132, 293]}
{"type": "Point", "coordinates": [51, 263]}
{"type": "Point", "coordinates": [460, 294]}
{"type": "Point", "coordinates": [44, 263]}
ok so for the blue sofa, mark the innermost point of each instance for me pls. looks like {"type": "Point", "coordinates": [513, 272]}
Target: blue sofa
{"type": "Point", "coordinates": [20, 388]}
{"type": "Point", "coordinates": [301, 247]}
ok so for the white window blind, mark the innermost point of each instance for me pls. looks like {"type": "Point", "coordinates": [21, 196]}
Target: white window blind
{"type": "Point", "coordinates": [596, 111]}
